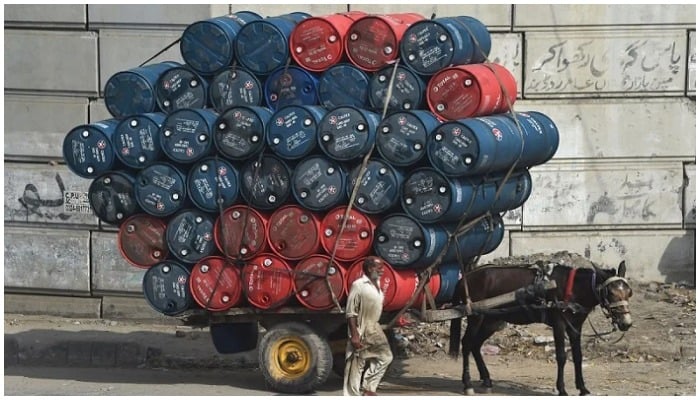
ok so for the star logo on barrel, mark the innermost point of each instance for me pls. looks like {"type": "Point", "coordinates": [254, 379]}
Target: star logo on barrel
{"type": "Point", "coordinates": [401, 76]}
{"type": "Point", "coordinates": [101, 144]}
{"type": "Point", "coordinates": [189, 151]}
{"type": "Point", "coordinates": [456, 131]}
{"type": "Point", "coordinates": [249, 85]}
{"type": "Point", "coordinates": [333, 120]}
{"type": "Point", "coordinates": [402, 121]}
{"type": "Point", "coordinates": [332, 189]}
{"type": "Point", "coordinates": [404, 257]}
{"type": "Point", "coordinates": [279, 121]}
{"type": "Point", "coordinates": [166, 85]}
{"type": "Point", "coordinates": [222, 171]}
{"type": "Point", "coordinates": [160, 206]}
{"type": "Point", "coordinates": [497, 133]}
{"type": "Point", "coordinates": [413, 38]}
{"type": "Point", "coordinates": [182, 279]}
{"type": "Point", "coordinates": [286, 79]}
{"type": "Point", "coordinates": [237, 114]}
{"type": "Point", "coordinates": [207, 236]}
{"type": "Point", "coordinates": [125, 151]}
{"type": "Point", "coordinates": [437, 208]}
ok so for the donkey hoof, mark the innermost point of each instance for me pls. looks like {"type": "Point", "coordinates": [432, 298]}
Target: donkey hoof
{"type": "Point", "coordinates": [486, 389]}
{"type": "Point", "coordinates": [584, 392]}
{"type": "Point", "coordinates": [469, 391]}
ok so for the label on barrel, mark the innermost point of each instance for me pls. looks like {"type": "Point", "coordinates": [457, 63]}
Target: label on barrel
{"type": "Point", "coordinates": [312, 38]}
{"type": "Point", "coordinates": [371, 43]}
{"type": "Point", "coordinates": [378, 187]}
{"type": "Point", "coordinates": [178, 89]}
{"type": "Point", "coordinates": [235, 88]}
{"type": "Point", "coordinates": [266, 185]}
{"type": "Point", "coordinates": [406, 93]}
{"type": "Point", "coordinates": [190, 236]}
{"type": "Point", "coordinates": [318, 184]}
{"type": "Point", "coordinates": [344, 134]}
{"type": "Point", "coordinates": [298, 136]}
{"type": "Point", "coordinates": [239, 133]}
{"type": "Point", "coordinates": [400, 241]}
{"type": "Point", "coordinates": [293, 232]}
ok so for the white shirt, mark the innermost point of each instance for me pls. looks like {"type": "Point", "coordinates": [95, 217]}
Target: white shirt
{"type": "Point", "coordinates": [365, 302]}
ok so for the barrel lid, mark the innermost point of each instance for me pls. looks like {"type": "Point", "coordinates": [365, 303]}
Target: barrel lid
{"type": "Point", "coordinates": [400, 240]}
{"type": "Point", "coordinates": [128, 93]}
{"type": "Point", "coordinates": [212, 184]}
{"type": "Point", "coordinates": [235, 87]}
{"type": "Point", "coordinates": [240, 232]}
{"type": "Point", "coordinates": [426, 195]}
{"type": "Point", "coordinates": [137, 140]}
{"type": "Point", "coordinates": [345, 133]}
{"type": "Point", "coordinates": [402, 138]}
{"type": "Point", "coordinates": [290, 85]}
{"type": "Point", "coordinates": [88, 150]}
{"type": "Point", "coordinates": [371, 43]}
{"type": "Point", "coordinates": [190, 236]}
{"type": "Point", "coordinates": [312, 287]}
{"type": "Point", "coordinates": [112, 198]}
{"type": "Point", "coordinates": [406, 94]}
{"type": "Point", "coordinates": [160, 189]}
{"type": "Point", "coordinates": [185, 136]}
{"type": "Point", "coordinates": [356, 239]}
{"type": "Point", "coordinates": [428, 46]}
{"type": "Point", "coordinates": [453, 149]}
{"type": "Point", "coordinates": [240, 132]}
{"type": "Point", "coordinates": [141, 240]}
{"type": "Point", "coordinates": [165, 287]}
{"type": "Point", "coordinates": [344, 85]}
{"type": "Point", "coordinates": [267, 281]}
{"type": "Point", "coordinates": [262, 47]}
{"type": "Point", "coordinates": [291, 133]}
{"type": "Point", "coordinates": [454, 93]}
{"type": "Point", "coordinates": [180, 88]}
{"type": "Point", "coordinates": [316, 44]}
{"type": "Point", "coordinates": [293, 232]}
{"type": "Point", "coordinates": [215, 284]}
{"type": "Point", "coordinates": [450, 274]}
{"type": "Point", "coordinates": [207, 47]}
{"type": "Point", "coordinates": [318, 183]}
{"type": "Point", "coordinates": [378, 189]}
{"type": "Point", "coordinates": [265, 184]}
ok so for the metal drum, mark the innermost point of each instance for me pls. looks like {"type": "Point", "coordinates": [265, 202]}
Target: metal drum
{"type": "Point", "coordinates": [344, 85]}
{"type": "Point", "coordinates": [134, 91]}
{"type": "Point", "coordinates": [112, 198]}
{"type": "Point", "coordinates": [166, 288]}
{"type": "Point", "coordinates": [190, 236]}
{"type": "Point", "coordinates": [291, 132]}
{"type": "Point", "coordinates": [293, 233]}
{"type": "Point", "coordinates": [407, 91]}
{"type": "Point", "coordinates": [540, 136]}
{"type": "Point", "coordinates": [356, 239]}
{"type": "Point", "coordinates": [290, 85]}
{"type": "Point", "coordinates": [515, 192]}
{"type": "Point", "coordinates": [265, 185]}
{"type": "Point", "coordinates": [318, 183]}
{"type": "Point", "coordinates": [379, 187]}
{"type": "Point", "coordinates": [484, 237]}
{"type": "Point", "coordinates": [407, 244]}
{"type": "Point", "coordinates": [450, 274]}
{"type": "Point", "coordinates": [141, 240]}
{"type": "Point", "coordinates": [212, 184]}
{"type": "Point", "coordinates": [397, 285]}
{"type": "Point", "coordinates": [234, 87]}
{"type": "Point", "coordinates": [161, 189]}
{"type": "Point", "coordinates": [241, 232]}
{"type": "Point", "coordinates": [186, 135]}
{"type": "Point", "coordinates": [347, 133]}
{"type": "Point", "coordinates": [215, 284]}
{"type": "Point", "coordinates": [268, 282]}
{"type": "Point", "coordinates": [136, 140]}
{"type": "Point", "coordinates": [239, 131]}
{"type": "Point", "coordinates": [179, 88]}
{"type": "Point", "coordinates": [402, 136]}
{"type": "Point", "coordinates": [317, 281]}
{"type": "Point", "coordinates": [88, 149]}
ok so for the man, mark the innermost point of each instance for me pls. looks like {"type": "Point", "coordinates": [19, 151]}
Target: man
{"type": "Point", "coordinates": [368, 347]}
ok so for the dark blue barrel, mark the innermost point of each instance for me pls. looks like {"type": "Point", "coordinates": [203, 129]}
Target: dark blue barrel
{"type": "Point", "coordinates": [234, 87]}
{"type": "Point", "coordinates": [134, 91]}
{"type": "Point", "coordinates": [161, 189]}
{"type": "Point", "coordinates": [407, 93]}
{"type": "Point", "coordinates": [450, 274]}
{"type": "Point", "coordinates": [291, 133]}
{"type": "Point", "coordinates": [318, 183]}
{"type": "Point", "coordinates": [515, 192]}
{"type": "Point", "coordinates": [179, 88]}
{"type": "Point", "coordinates": [405, 243]}
{"type": "Point", "coordinates": [263, 46]}
{"type": "Point", "coordinates": [344, 85]}
{"type": "Point", "coordinates": [431, 197]}
{"type": "Point", "coordinates": [112, 197]}
{"type": "Point", "coordinates": [480, 37]}
{"type": "Point", "coordinates": [208, 46]}
{"type": "Point", "coordinates": [137, 140]}
{"type": "Point", "coordinates": [190, 236]}
{"type": "Point", "coordinates": [378, 189]}
{"type": "Point", "coordinates": [484, 237]}
{"type": "Point", "coordinates": [541, 138]}
{"type": "Point", "coordinates": [240, 131]}
{"type": "Point", "coordinates": [347, 133]}
{"type": "Point", "coordinates": [290, 85]}
{"type": "Point", "coordinates": [475, 146]}
{"type": "Point", "coordinates": [88, 149]}
{"type": "Point", "coordinates": [266, 184]}
{"type": "Point", "coordinates": [166, 288]}
{"type": "Point", "coordinates": [186, 135]}
{"type": "Point", "coordinates": [212, 184]}
{"type": "Point", "coordinates": [431, 45]}
{"type": "Point", "coordinates": [402, 136]}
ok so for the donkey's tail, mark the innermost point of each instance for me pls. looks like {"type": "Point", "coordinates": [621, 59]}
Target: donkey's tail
{"type": "Point", "coordinates": [455, 336]}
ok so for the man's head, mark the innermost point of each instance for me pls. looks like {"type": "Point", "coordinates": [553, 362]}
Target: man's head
{"type": "Point", "coordinates": [373, 267]}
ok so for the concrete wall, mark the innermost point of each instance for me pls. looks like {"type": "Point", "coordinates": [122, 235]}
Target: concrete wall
{"type": "Point", "coordinates": [618, 80]}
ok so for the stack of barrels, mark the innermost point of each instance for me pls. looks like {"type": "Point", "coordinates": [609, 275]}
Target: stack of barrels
{"type": "Point", "coordinates": [287, 149]}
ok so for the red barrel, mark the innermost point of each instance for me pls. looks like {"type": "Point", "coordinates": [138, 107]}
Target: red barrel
{"type": "Point", "coordinates": [267, 281]}
{"type": "Point", "coordinates": [141, 240]}
{"type": "Point", "coordinates": [293, 233]}
{"type": "Point", "coordinates": [317, 42]}
{"type": "Point", "coordinates": [465, 91]}
{"type": "Point", "coordinates": [373, 41]}
{"type": "Point", "coordinates": [215, 284]}
{"type": "Point", "coordinates": [356, 239]}
{"type": "Point", "coordinates": [229, 232]}
{"type": "Point", "coordinates": [310, 284]}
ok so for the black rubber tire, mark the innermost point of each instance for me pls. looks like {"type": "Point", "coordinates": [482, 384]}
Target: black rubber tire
{"type": "Point", "coordinates": [320, 359]}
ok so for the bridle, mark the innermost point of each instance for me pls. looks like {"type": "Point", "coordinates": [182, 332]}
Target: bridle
{"type": "Point", "coordinates": [610, 309]}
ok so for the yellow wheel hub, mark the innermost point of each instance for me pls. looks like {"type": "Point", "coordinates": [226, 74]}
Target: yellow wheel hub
{"type": "Point", "coordinates": [291, 357]}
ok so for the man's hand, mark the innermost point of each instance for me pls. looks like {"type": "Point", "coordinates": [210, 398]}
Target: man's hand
{"type": "Point", "coordinates": [355, 341]}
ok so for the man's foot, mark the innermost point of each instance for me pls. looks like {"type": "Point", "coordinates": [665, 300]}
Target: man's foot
{"type": "Point", "coordinates": [368, 393]}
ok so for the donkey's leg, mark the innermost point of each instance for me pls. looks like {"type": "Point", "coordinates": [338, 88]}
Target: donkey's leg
{"type": "Point", "coordinates": [488, 328]}
{"type": "Point", "coordinates": [575, 341]}
{"type": "Point", "coordinates": [559, 329]}
{"type": "Point", "coordinates": [468, 340]}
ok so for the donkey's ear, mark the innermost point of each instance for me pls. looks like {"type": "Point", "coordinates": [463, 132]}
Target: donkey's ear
{"type": "Point", "coordinates": [621, 269]}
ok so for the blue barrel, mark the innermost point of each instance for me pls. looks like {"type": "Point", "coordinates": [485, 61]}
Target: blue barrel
{"type": "Point", "coordinates": [402, 136]}
{"type": "Point", "coordinates": [378, 189]}
{"type": "Point", "coordinates": [88, 149]}
{"type": "Point", "coordinates": [484, 237]}
{"type": "Point", "coordinates": [318, 183]}
{"type": "Point", "coordinates": [263, 46]}
{"type": "Point", "coordinates": [291, 133]}
{"type": "Point", "coordinates": [186, 135]}
{"type": "Point", "coordinates": [347, 133]}
{"type": "Point", "coordinates": [431, 45]}
{"type": "Point", "coordinates": [137, 140]}
{"type": "Point", "coordinates": [407, 93]}
{"type": "Point", "coordinates": [240, 131]}
{"type": "Point", "coordinates": [450, 274]}
{"type": "Point", "coordinates": [290, 85]}
{"type": "Point", "coordinates": [112, 198]}
{"type": "Point", "coordinates": [161, 189]}
{"type": "Point", "coordinates": [344, 85]}
{"type": "Point", "coordinates": [208, 46]}
{"type": "Point", "coordinates": [212, 184]}
{"type": "Point", "coordinates": [480, 37]}
{"type": "Point", "coordinates": [190, 236]}
{"type": "Point", "coordinates": [166, 288]}
{"type": "Point", "coordinates": [515, 192]}
{"type": "Point", "coordinates": [473, 146]}
{"type": "Point", "coordinates": [405, 243]}
{"type": "Point", "coordinates": [134, 91]}
{"type": "Point", "coordinates": [541, 138]}
{"type": "Point", "coordinates": [266, 184]}
{"type": "Point", "coordinates": [179, 88]}
{"type": "Point", "coordinates": [234, 87]}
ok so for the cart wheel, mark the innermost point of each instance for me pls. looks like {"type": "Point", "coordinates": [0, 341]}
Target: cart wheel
{"type": "Point", "coordinates": [294, 358]}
